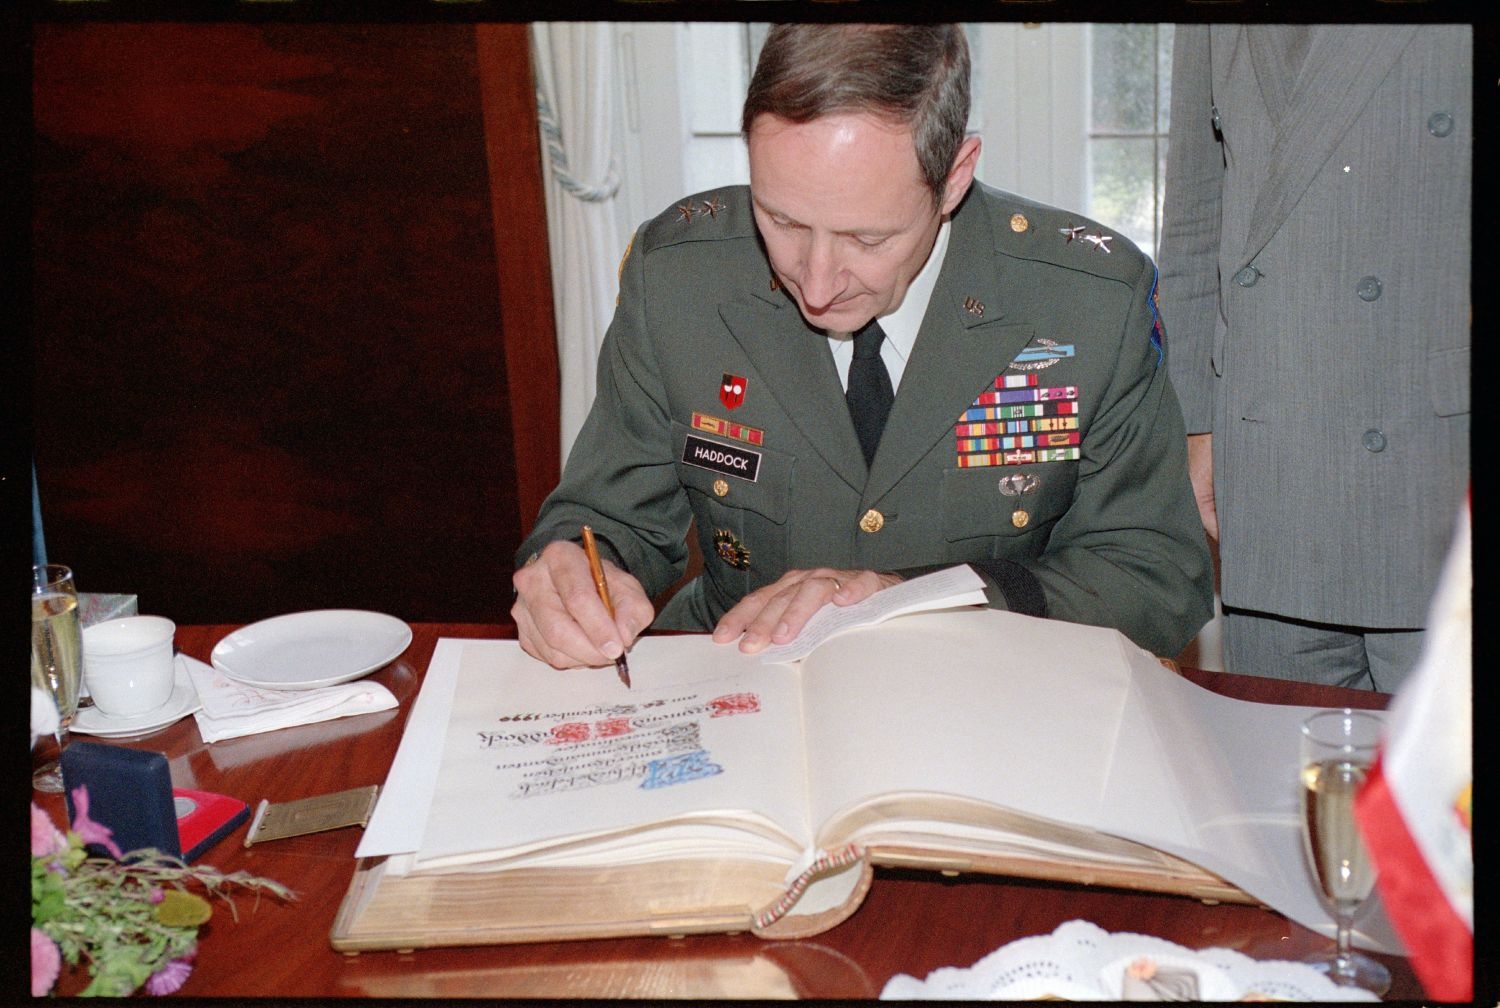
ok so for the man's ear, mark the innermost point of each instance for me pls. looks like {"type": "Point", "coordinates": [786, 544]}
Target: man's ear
{"type": "Point", "coordinates": [961, 175]}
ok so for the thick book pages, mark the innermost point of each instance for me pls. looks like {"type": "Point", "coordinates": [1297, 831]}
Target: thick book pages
{"type": "Point", "coordinates": [724, 793]}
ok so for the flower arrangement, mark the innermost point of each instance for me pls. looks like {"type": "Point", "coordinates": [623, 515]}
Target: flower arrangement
{"type": "Point", "coordinates": [131, 917]}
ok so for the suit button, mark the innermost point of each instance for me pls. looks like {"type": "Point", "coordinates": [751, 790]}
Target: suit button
{"type": "Point", "coordinates": [721, 488]}
{"type": "Point", "coordinates": [1368, 288]}
{"type": "Point", "coordinates": [1440, 124]}
{"type": "Point", "coordinates": [1373, 440]}
{"type": "Point", "coordinates": [872, 521]}
{"type": "Point", "coordinates": [1247, 276]}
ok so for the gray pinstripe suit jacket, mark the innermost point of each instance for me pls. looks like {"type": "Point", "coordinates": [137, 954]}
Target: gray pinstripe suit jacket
{"type": "Point", "coordinates": [1315, 291]}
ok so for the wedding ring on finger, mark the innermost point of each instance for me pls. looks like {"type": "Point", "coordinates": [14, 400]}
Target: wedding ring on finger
{"type": "Point", "coordinates": [837, 584]}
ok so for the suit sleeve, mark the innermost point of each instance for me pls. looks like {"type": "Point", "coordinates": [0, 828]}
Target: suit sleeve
{"type": "Point", "coordinates": [620, 476]}
{"type": "Point", "coordinates": [1189, 287]}
{"type": "Point", "coordinates": [1130, 551]}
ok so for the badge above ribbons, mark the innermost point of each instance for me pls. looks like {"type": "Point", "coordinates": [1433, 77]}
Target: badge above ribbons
{"type": "Point", "coordinates": [732, 391]}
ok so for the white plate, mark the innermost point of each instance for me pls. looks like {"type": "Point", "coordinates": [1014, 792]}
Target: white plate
{"type": "Point", "coordinates": [182, 702]}
{"type": "Point", "coordinates": [307, 650]}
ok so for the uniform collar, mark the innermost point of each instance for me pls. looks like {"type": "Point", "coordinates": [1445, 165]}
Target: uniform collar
{"type": "Point", "coordinates": [901, 326]}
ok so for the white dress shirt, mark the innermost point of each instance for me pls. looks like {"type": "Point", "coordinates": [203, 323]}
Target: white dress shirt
{"type": "Point", "coordinates": [900, 325]}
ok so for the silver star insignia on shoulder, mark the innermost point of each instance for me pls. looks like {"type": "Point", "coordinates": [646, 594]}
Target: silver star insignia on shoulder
{"type": "Point", "coordinates": [712, 206]}
{"type": "Point", "coordinates": [685, 212]}
{"type": "Point", "coordinates": [1072, 232]}
{"type": "Point", "coordinates": [1099, 241]}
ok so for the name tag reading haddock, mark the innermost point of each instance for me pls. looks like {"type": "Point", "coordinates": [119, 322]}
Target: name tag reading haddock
{"type": "Point", "coordinates": [721, 458]}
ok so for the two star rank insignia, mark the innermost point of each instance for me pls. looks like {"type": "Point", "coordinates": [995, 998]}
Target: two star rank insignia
{"type": "Point", "coordinates": [1099, 241]}
{"type": "Point", "coordinates": [709, 207]}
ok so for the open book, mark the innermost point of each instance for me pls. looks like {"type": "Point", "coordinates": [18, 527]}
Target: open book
{"type": "Point", "coordinates": [724, 793]}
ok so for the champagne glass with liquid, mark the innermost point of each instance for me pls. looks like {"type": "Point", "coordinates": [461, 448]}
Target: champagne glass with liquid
{"type": "Point", "coordinates": [56, 656]}
{"type": "Point", "coordinates": [1338, 748]}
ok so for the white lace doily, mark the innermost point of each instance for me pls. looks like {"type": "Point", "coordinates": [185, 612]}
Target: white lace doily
{"type": "Point", "coordinates": [1083, 962]}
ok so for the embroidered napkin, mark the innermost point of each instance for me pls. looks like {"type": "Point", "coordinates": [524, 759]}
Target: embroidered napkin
{"type": "Point", "coordinates": [1080, 961]}
{"type": "Point", "coordinates": [231, 709]}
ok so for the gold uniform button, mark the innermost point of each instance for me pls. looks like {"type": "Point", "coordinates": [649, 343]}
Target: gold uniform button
{"type": "Point", "coordinates": [872, 521]}
{"type": "Point", "coordinates": [1019, 223]}
{"type": "Point", "coordinates": [721, 488]}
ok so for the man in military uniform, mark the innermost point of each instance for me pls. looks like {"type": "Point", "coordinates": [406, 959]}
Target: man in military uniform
{"type": "Point", "coordinates": [1032, 433]}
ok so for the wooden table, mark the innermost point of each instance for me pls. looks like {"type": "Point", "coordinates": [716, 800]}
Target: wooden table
{"type": "Point", "coordinates": [910, 922]}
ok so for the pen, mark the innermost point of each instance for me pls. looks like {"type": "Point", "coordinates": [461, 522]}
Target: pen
{"type": "Point", "coordinates": [597, 570]}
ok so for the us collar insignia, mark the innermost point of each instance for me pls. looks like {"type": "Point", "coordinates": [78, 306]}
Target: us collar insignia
{"type": "Point", "coordinates": [729, 548]}
{"type": "Point", "coordinates": [974, 306]}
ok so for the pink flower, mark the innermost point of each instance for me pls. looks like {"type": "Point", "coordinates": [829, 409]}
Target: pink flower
{"type": "Point", "coordinates": [45, 838]}
{"type": "Point", "coordinates": [157, 894]}
{"type": "Point", "coordinates": [171, 976]}
{"type": "Point", "coordinates": [88, 830]}
{"type": "Point", "coordinates": [46, 962]}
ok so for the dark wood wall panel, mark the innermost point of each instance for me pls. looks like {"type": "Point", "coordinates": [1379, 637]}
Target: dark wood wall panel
{"type": "Point", "coordinates": [525, 289]}
{"type": "Point", "coordinates": [268, 321]}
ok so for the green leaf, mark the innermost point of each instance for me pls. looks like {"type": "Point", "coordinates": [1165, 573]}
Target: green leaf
{"type": "Point", "coordinates": [117, 975]}
{"type": "Point", "coordinates": [48, 900]}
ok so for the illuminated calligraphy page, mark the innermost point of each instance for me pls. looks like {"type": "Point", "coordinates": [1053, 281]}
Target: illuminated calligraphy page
{"type": "Point", "coordinates": [703, 755]}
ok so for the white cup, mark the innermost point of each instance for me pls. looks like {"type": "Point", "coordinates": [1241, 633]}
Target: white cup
{"type": "Point", "coordinates": [127, 664]}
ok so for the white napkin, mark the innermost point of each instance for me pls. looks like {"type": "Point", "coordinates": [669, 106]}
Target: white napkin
{"type": "Point", "coordinates": [231, 709]}
{"type": "Point", "coordinates": [1080, 961]}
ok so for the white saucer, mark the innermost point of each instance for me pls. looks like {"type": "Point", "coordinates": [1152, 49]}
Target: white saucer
{"type": "Point", "coordinates": [182, 702]}
{"type": "Point", "coordinates": [306, 650]}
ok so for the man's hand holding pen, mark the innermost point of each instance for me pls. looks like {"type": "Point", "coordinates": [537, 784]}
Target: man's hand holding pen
{"type": "Point", "coordinates": [601, 585]}
{"type": "Point", "coordinates": [561, 618]}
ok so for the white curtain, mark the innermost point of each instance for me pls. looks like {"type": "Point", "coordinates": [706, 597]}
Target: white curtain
{"type": "Point", "coordinates": [575, 106]}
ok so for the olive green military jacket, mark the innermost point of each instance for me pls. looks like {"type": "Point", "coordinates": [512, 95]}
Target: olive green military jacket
{"type": "Point", "coordinates": [717, 402]}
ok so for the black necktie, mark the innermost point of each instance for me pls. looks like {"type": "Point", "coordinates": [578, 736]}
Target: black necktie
{"type": "Point", "coordinates": [870, 393]}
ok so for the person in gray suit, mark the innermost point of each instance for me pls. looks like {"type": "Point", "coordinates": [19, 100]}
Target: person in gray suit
{"type": "Point", "coordinates": [1031, 430]}
{"type": "Point", "coordinates": [1315, 289]}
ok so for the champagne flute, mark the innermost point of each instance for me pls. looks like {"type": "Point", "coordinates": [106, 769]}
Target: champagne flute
{"type": "Point", "coordinates": [56, 656]}
{"type": "Point", "coordinates": [1338, 748]}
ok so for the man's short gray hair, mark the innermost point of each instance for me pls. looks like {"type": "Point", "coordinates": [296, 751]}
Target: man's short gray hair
{"type": "Point", "coordinates": [914, 75]}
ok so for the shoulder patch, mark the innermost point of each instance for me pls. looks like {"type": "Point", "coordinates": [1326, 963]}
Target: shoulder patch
{"type": "Point", "coordinates": [620, 269]}
{"type": "Point", "coordinates": [1158, 331]}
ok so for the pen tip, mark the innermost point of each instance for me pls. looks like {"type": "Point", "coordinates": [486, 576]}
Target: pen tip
{"type": "Point", "coordinates": [623, 670]}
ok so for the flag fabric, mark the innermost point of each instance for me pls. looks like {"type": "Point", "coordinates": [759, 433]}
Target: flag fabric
{"type": "Point", "coordinates": [1414, 807]}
